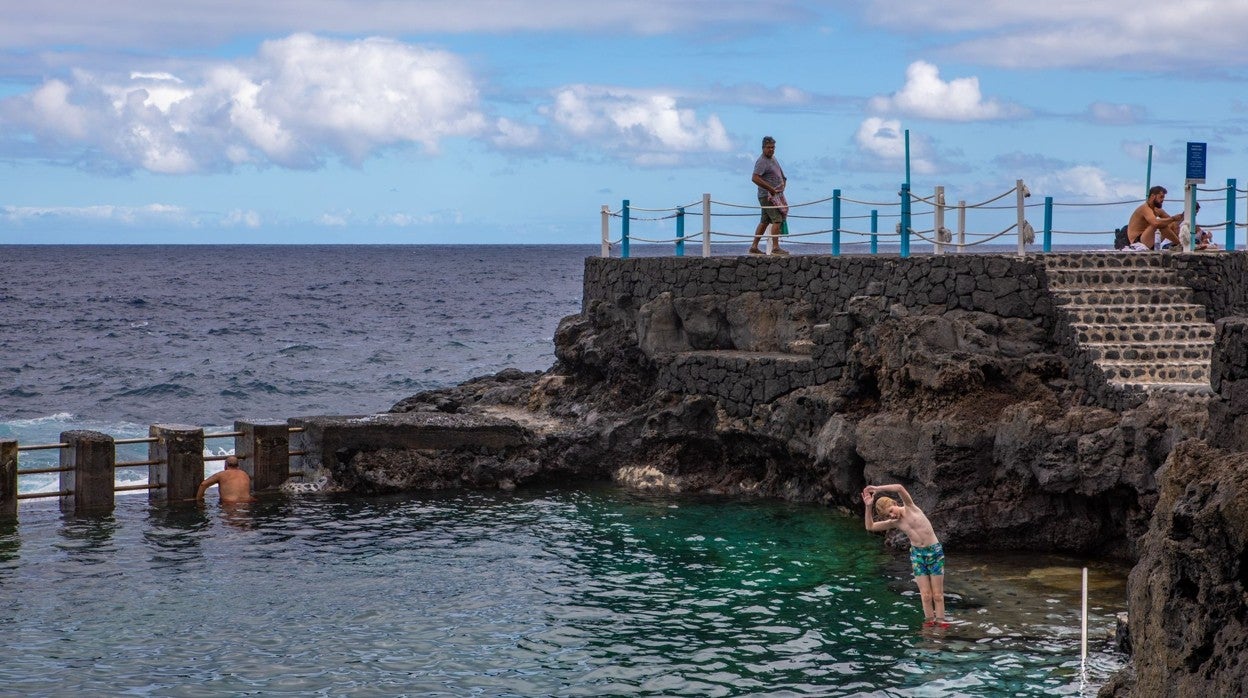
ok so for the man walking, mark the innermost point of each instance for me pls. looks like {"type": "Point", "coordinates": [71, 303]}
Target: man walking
{"type": "Point", "coordinates": [770, 179]}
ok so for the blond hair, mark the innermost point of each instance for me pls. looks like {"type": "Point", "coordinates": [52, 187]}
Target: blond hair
{"type": "Point", "coordinates": [883, 504]}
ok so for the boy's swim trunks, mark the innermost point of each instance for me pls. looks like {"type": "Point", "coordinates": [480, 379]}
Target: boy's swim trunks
{"type": "Point", "coordinates": [928, 560]}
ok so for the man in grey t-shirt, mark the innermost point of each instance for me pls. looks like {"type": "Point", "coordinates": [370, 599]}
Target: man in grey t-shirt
{"type": "Point", "coordinates": [770, 180]}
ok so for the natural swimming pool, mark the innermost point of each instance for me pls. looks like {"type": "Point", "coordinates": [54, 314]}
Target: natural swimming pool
{"type": "Point", "coordinates": [563, 592]}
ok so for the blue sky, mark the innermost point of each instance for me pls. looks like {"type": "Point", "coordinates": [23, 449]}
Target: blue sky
{"type": "Point", "coordinates": [484, 121]}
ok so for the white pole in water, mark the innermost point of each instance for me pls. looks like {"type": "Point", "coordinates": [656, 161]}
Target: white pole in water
{"type": "Point", "coordinates": [1083, 654]}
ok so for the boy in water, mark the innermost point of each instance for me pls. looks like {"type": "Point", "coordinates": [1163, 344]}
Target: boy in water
{"type": "Point", "coordinates": [927, 557]}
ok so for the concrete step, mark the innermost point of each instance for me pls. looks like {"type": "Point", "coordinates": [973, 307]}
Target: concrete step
{"type": "Point", "coordinates": [1125, 295]}
{"type": "Point", "coordinates": [1178, 314]}
{"type": "Point", "coordinates": [1082, 278]}
{"type": "Point", "coordinates": [1184, 352]}
{"type": "Point", "coordinates": [1104, 260]}
{"type": "Point", "coordinates": [1151, 373]}
{"type": "Point", "coordinates": [1144, 333]}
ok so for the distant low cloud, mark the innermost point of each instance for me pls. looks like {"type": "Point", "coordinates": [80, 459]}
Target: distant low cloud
{"type": "Point", "coordinates": [925, 95]}
{"type": "Point", "coordinates": [1115, 114]}
{"type": "Point", "coordinates": [300, 100]}
{"type": "Point", "coordinates": [130, 215]}
{"type": "Point", "coordinates": [649, 125]}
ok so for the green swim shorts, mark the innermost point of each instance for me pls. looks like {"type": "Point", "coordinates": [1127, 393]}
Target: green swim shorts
{"type": "Point", "coordinates": [928, 561]}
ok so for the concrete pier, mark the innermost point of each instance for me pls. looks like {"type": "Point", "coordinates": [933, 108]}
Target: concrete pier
{"type": "Point", "coordinates": [91, 458]}
{"type": "Point", "coordinates": [8, 480]}
{"type": "Point", "coordinates": [179, 448]}
{"type": "Point", "coordinates": [263, 450]}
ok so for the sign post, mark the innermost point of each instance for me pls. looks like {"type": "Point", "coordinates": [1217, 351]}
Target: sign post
{"type": "Point", "coordinates": [1196, 166]}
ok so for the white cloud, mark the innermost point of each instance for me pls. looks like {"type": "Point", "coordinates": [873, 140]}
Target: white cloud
{"type": "Point", "coordinates": [1117, 34]}
{"type": "Point", "coordinates": [514, 135]}
{"type": "Point", "coordinates": [1087, 183]}
{"type": "Point", "coordinates": [650, 125]}
{"type": "Point", "coordinates": [301, 99]}
{"type": "Point", "coordinates": [884, 139]}
{"type": "Point", "coordinates": [926, 95]}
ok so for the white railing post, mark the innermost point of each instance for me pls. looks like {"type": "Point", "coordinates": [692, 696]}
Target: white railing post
{"type": "Point", "coordinates": [961, 226]}
{"type": "Point", "coordinates": [939, 227]}
{"type": "Point", "coordinates": [1022, 222]}
{"type": "Point", "coordinates": [606, 230]}
{"type": "Point", "coordinates": [706, 225]}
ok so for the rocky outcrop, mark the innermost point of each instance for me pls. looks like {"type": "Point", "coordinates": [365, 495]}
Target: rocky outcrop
{"type": "Point", "coordinates": [806, 378]}
{"type": "Point", "coordinates": [1188, 593]}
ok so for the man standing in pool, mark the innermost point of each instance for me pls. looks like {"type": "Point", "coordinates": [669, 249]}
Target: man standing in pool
{"type": "Point", "coordinates": [927, 556]}
{"type": "Point", "coordinates": [233, 484]}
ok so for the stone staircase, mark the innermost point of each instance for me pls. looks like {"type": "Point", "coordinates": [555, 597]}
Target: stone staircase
{"type": "Point", "coordinates": [1135, 320]}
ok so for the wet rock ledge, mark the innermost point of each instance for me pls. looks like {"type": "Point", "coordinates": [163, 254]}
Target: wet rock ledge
{"type": "Point", "coordinates": [804, 378]}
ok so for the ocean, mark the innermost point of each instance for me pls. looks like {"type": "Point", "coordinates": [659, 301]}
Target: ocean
{"type": "Point", "coordinates": [595, 591]}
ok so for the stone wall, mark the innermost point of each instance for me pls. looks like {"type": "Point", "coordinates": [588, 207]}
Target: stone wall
{"type": "Point", "coordinates": [1217, 278]}
{"type": "Point", "coordinates": [1003, 285]}
{"type": "Point", "coordinates": [1228, 410]}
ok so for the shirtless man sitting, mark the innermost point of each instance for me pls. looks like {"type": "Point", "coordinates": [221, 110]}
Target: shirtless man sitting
{"type": "Point", "coordinates": [233, 484]}
{"type": "Point", "coordinates": [1150, 220]}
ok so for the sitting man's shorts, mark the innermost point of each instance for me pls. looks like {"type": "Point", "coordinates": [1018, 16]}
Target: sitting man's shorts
{"type": "Point", "coordinates": [929, 561]}
{"type": "Point", "coordinates": [770, 215]}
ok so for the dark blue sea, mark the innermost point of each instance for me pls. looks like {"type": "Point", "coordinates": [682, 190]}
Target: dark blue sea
{"type": "Point", "coordinates": [595, 591]}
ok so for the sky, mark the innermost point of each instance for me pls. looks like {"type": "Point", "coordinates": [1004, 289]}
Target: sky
{"type": "Point", "coordinates": [505, 121]}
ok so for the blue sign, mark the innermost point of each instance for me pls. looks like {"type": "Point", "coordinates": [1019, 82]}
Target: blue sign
{"type": "Point", "coordinates": [1196, 162]}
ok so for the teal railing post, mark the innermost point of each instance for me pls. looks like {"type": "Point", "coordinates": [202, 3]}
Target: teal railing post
{"type": "Point", "coordinates": [905, 220]}
{"type": "Point", "coordinates": [836, 222]}
{"type": "Point", "coordinates": [875, 230]}
{"type": "Point", "coordinates": [680, 232]}
{"type": "Point", "coordinates": [1048, 224]}
{"type": "Point", "coordinates": [624, 231]}
{"type": "Point", "coordinates": [1230, 214]}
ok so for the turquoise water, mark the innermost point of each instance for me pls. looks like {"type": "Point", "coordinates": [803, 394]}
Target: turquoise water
{"type": "Point", "coordinates": [597, 592]}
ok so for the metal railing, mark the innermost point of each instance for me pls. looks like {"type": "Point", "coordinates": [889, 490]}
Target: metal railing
{"type": "Point", "coordinates": [814, 224]}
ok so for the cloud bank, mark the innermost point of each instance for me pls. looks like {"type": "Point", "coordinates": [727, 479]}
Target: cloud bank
{"type": "Point", "coordinates": [925, 95]}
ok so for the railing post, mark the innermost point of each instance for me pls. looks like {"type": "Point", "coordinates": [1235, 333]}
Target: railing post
{"type": "Point", "coordinates": [1048, 224]}
{"type": "Point", "coordinates": [606, 230]}
{"type": "Point", "coordinates": [875, 230]}
{"type": "Point", "coordinates": [8, 480]}
{"type": "Point", "coordinates": [1189, 215]}
{"type": "Point", "coordinates": [961, 226]}
{"type": "Point", "coordinates": [836, 222]}
{"type": "Point", "coordinates": [263, 449]}
{"type": "Point", "coordinates": [180, 450]}
{"type": "Point", "coordinates": [624, 230]}
{"type": "Point", "coordinates": [1018, 194]}
{"type": "Point", "coordinates": [938, 226]}
{"type": "Point", "coordinates": [905, 220]}
{"type": "Point", "coordinates": [91, 458]}
{"type": "Point", "coordinates": [1230, 214]}
{"type": "Point", "coordinates": [706, 225]}
{"type": "Point", "coordinates": [680, 231]}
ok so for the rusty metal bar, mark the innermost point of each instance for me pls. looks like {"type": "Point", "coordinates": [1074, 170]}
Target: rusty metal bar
{"type": "Point", "coordinates": [38, 495]}
{"type": "Point", "coordinates": [296, 453]}
{"type": "Point", "coordinates": [37, 471]}
{"type": "Point", "coordinates": [297, 430]}
{"type": "Point", "coordinates": [42, 447]}
{"type": "Point", "coordinates": [208, 458]}
{"type": "Point", "coordinates": [129, 488]}
{"type": "Point", "coordinates": [137, 463]}
{"type": "Point", "coordinates": [138, 440]}
{"type": "Point", "coordinates": [223, 435]}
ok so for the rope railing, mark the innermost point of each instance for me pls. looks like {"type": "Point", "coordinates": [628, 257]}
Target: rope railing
{"type": "Point", "coordinates": [908, 207]}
